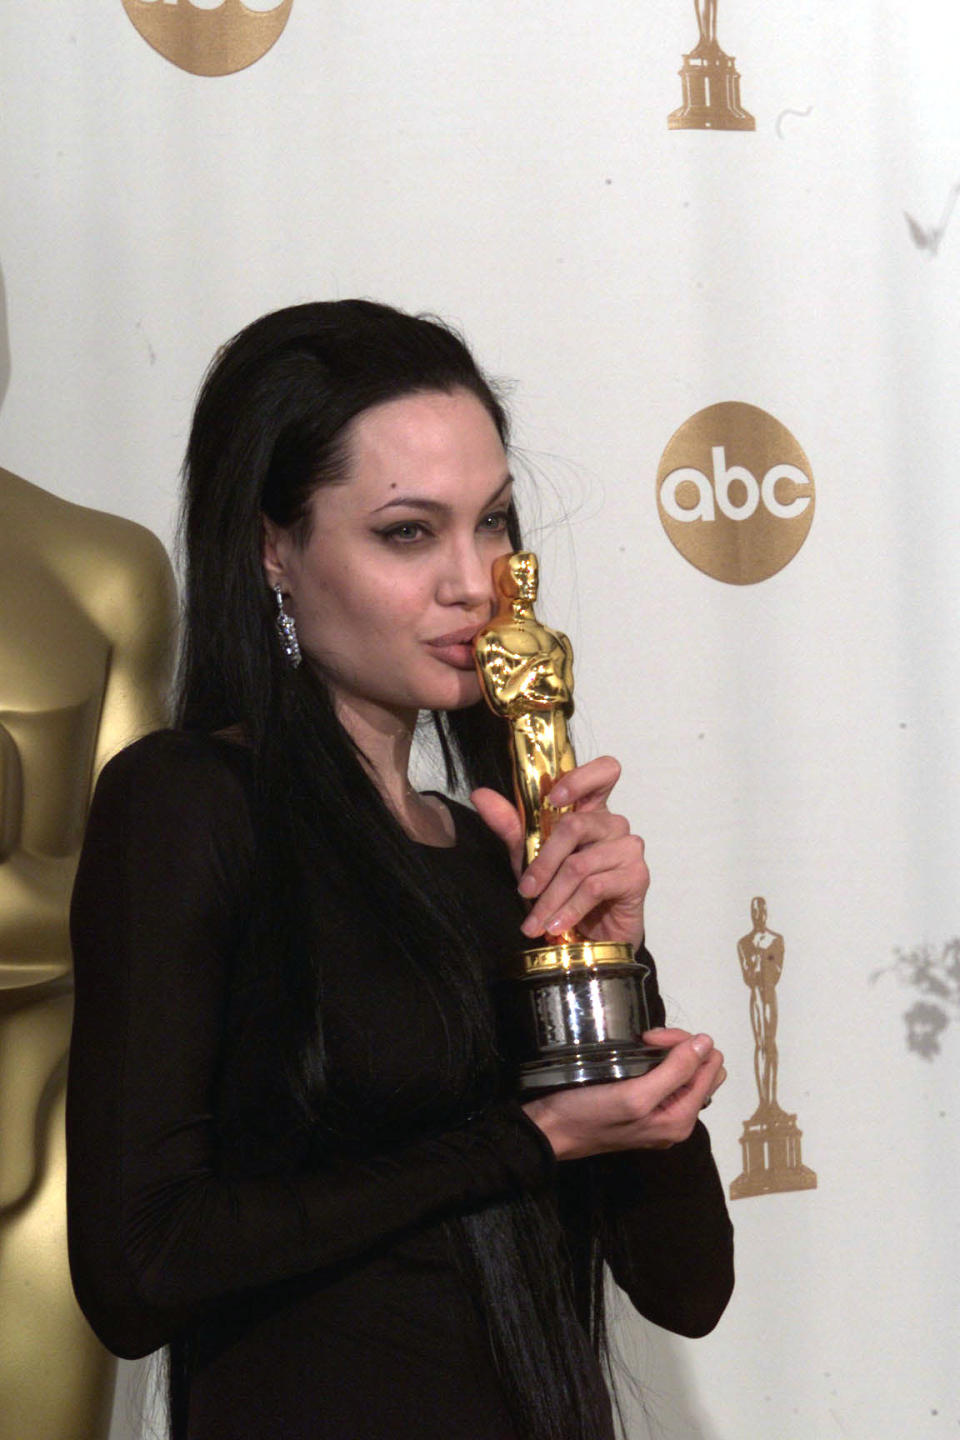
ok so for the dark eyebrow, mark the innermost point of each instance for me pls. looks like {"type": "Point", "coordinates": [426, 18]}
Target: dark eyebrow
{"type": "Point", "coordinates": [414, 502]}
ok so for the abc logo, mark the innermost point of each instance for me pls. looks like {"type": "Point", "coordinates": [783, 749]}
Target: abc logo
{"type": "Point", "coordinates": [735, 493]}
{"type": "Point", "coordinates": [210, 37]}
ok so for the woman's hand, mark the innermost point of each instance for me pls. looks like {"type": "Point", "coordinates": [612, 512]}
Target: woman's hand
{"type": "Point", "coordinates": [590, 872]}
{"type": "Point", "coordinates": [650, 1112]}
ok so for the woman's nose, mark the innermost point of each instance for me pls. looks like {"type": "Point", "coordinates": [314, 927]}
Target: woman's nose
{"type": "Point", "coordinates": [467, 578]}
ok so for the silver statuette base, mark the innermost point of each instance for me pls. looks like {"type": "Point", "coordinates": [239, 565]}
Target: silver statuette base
{"type": "Point", "coordinates": [579, 1024]}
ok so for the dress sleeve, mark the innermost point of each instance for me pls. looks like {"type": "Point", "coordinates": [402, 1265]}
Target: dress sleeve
{"type": "Point", "coordinates": [664, 1228]}
{"type": "Point", "coordinates": [158, 1235]}
{"type": "Point", "coordinates": [666, 1234]}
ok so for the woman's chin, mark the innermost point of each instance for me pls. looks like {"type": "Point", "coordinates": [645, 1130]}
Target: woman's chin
{"type": "Point", "coordinates": [461, 688]}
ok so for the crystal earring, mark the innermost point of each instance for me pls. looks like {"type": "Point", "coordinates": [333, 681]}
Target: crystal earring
{"type": "Point", "coordinates": [287, 631]}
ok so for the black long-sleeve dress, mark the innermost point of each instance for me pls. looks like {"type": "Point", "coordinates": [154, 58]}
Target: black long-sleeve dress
{"type": "Point", "coordinates": [322, 1302]}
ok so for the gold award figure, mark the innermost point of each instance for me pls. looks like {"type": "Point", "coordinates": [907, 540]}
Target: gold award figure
{"type": "Point", "coordinates": [771, 1138]}
{"type": "Point", "coordinates": [526, 672]}
{"type": "Point", "coordinates": [574, 1010]}
{"type": "Point", "coordinates": [87, 616]}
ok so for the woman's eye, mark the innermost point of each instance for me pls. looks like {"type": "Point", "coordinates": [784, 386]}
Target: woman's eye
{"type": "Point", "coordinates": [495, 523]}
{"type": "Point", "coordinates": [405, 533]}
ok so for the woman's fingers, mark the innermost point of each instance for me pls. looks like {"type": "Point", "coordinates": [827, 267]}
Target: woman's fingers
{"type": "Point", "coordinates": [590, 868]}
{"type": "Point", "coordinates": [673, 1119]}
{"type": "Point", "coordinates": [651, 1111]}
{"type": "Point", "coordinates": [503, 819]}
{"type": "Point", "coordinates": [582, 790]}
{"type": "Point", "coordinates": [666, 1036]}
{"type": "Point", "coordinates": [692, 1094]}
{"type": "Point", "coordinates": [587, 786]}
{"type": "Point", "coordinates": [702, 1081]}
{"type": "Point", "coordinates": [570, 833]}
{"type": "Point", "coordinates": [683, 1067]}
{"type": "Point", "coordinates": [606, 872]}
{"type": "Point", "coordinates": [601, 878]}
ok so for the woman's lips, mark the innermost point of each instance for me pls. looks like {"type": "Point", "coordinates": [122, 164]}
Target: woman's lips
{"type": "Point", "coordinates": [456, 649]}
{"type": "Point", "coordinates": [459, 656]}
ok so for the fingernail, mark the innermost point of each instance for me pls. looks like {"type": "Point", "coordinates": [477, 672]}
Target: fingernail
{"type": "Point", "coordinates": [556, 925]}
{"type": "Point", "coordinates": [528, 885]}
{"type": "Point", "coordinates": [557, 796]}
{"type": "Point", "coordinates": [702, 1044]}
{"type": "Point", "coordinates": [531, 926]}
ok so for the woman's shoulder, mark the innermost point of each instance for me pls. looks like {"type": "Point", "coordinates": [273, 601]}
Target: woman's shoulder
{"type": "Point", "coordinates": [192, 752]}
{"type": "Point", "coordinates": [170, 817]}
{"type": "Point", "coordinates": [180, 770]}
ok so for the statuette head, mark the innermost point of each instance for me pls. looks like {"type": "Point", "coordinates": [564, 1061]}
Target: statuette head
{"type": "Point", "coordinates": [516, 576]}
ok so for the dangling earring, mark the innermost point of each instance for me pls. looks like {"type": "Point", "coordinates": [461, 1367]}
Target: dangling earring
{"type": "Point", "coordinates": [287, 631]}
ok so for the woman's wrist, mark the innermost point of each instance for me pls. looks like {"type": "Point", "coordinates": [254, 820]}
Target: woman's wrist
{"type": "Point", "coordinates": [541, 1114]}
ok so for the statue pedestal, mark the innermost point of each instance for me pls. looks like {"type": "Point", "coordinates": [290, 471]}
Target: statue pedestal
{"type": "Point", "coordinates": [711, 93]}
{"type": "Point", "coordinates": [771, 1156]}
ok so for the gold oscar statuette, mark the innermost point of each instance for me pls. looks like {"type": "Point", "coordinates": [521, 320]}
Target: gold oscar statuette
{"type": "Point", "coordinates": [573, 1011]}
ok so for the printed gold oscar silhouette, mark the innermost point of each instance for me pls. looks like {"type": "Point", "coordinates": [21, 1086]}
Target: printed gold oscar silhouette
{"type": "Point", "coordinates": [771, 1137]}
{"type": "Point", "coordinates": [711, 82]}
{"type": "Point", "coordinates": [207, 38]}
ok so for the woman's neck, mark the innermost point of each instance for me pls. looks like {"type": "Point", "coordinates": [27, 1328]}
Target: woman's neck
{"type": "Point", "coordinates": [384, 739]}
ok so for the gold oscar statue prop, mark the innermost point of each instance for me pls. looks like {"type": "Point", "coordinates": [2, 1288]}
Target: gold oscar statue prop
{"type": "Point", "coordinates": [573, 1011]}
{"type": "Point", "coordinates": [770, 1139]}
{"type": "Point", "coordinates": [87, 616]}
{"type": "Point", "coordinates": [711, 83]}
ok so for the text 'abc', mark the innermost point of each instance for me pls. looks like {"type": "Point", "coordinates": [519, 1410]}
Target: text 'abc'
{"type": "Point", "coordinates": [752, 491]}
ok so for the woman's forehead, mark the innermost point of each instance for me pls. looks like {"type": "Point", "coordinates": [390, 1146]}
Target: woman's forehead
{"type": "Point", "coordinates": [430, 445]}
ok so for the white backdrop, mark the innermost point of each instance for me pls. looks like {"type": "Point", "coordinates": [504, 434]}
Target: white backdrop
{"type": "Point", "coordinates": [509, 166]}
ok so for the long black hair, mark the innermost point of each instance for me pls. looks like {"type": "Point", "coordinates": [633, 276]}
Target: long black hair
{"type": "Point", "coordinates": [271, 425]}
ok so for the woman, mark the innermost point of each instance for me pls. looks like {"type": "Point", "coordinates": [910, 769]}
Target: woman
{"type": "Point", "coordinates": [293, 1157]}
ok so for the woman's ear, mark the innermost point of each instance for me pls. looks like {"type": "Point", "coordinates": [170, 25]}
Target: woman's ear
{"type": "Point", "coordinates": [274, 549]}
